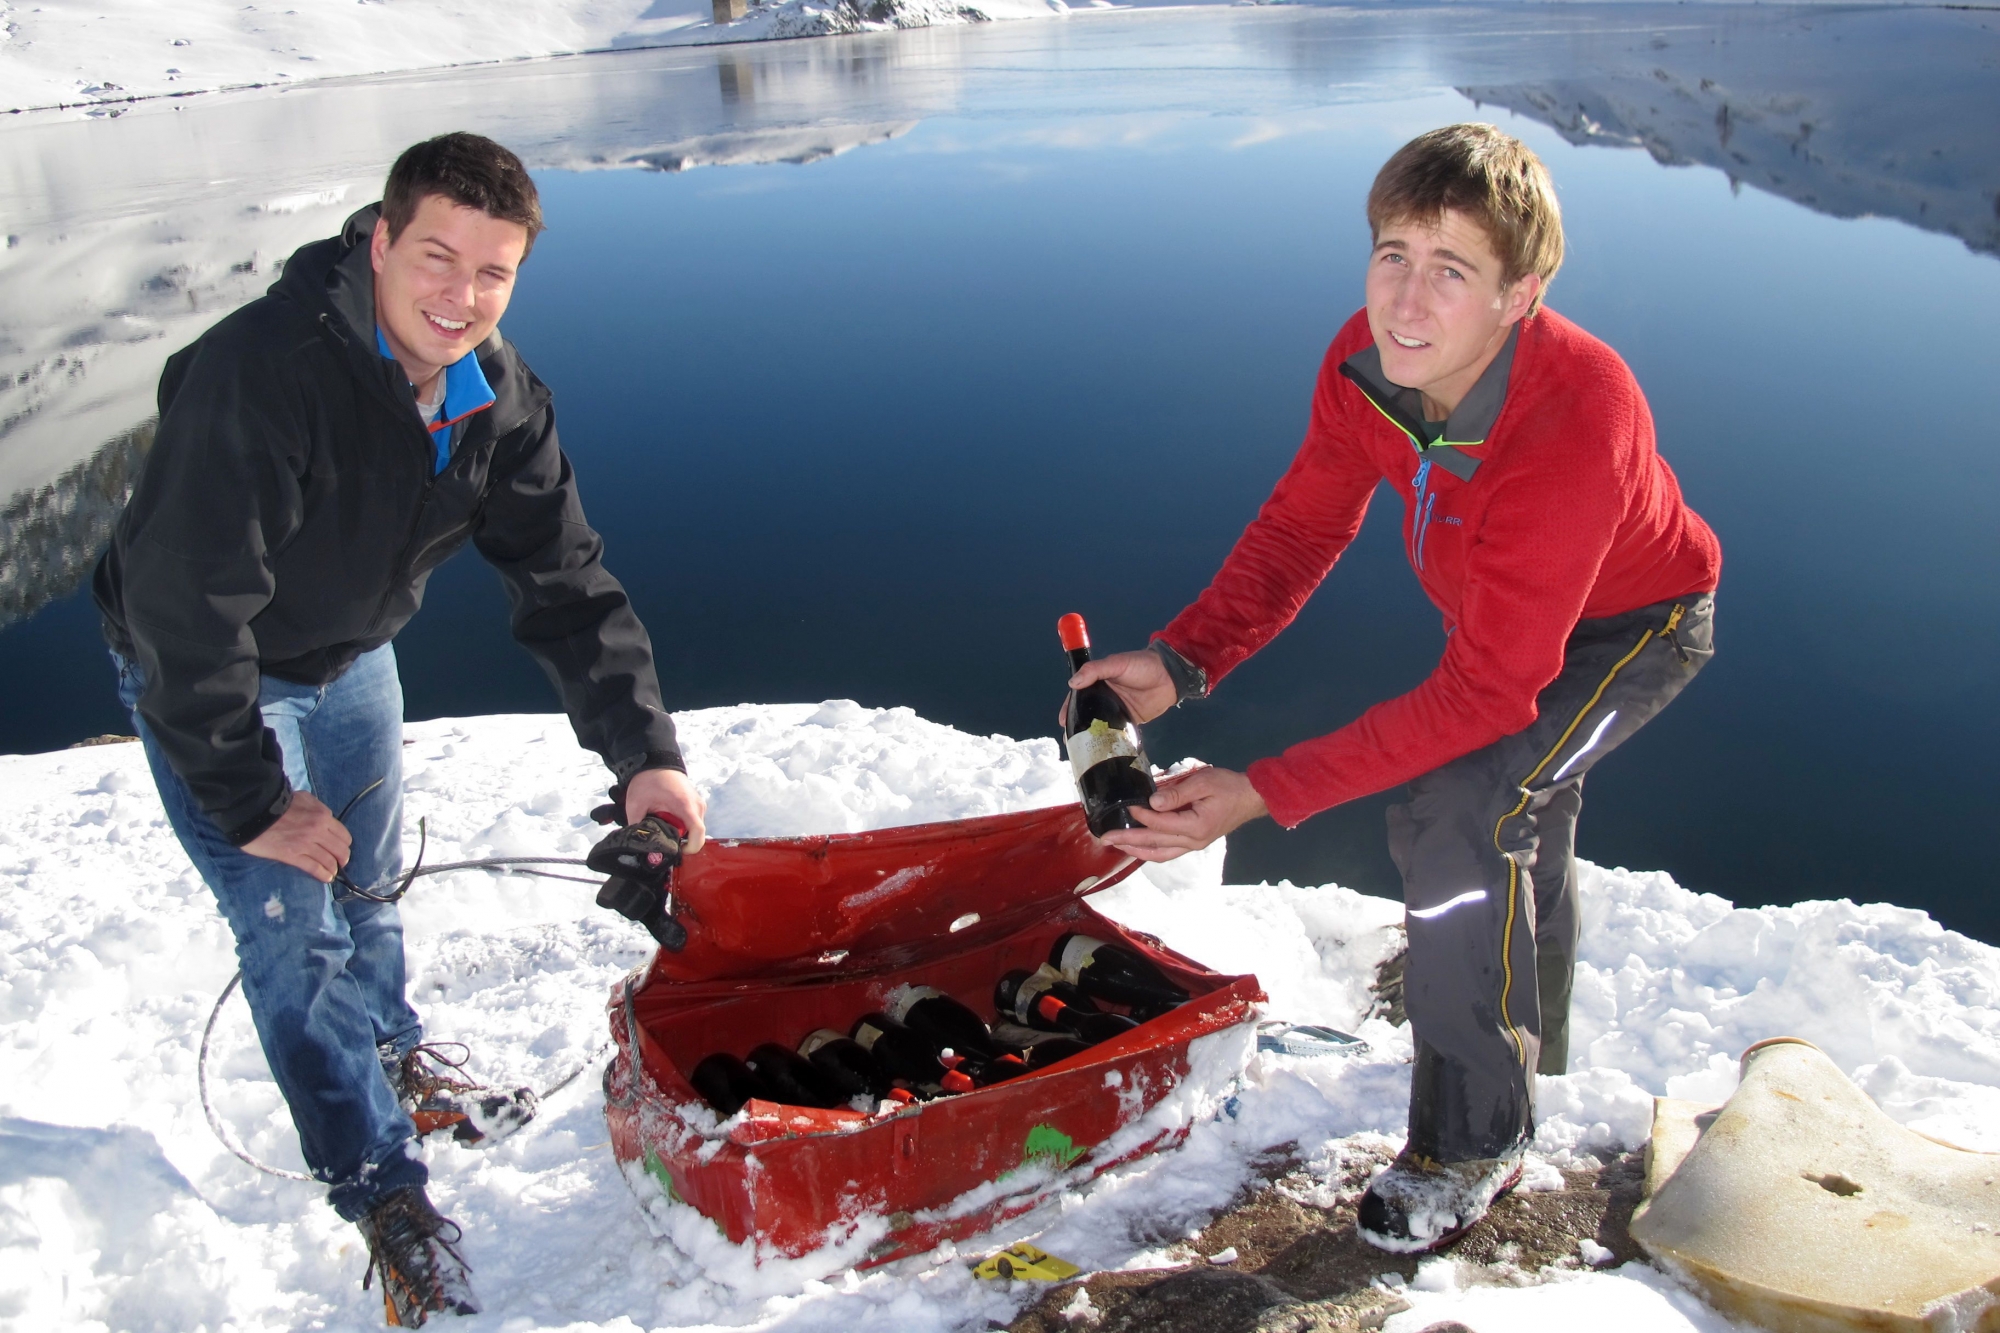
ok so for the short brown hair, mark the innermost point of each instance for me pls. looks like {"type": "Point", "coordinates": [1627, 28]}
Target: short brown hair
{"type": "Point", "coordinates": [1491, 177]}
{"type": "Point", "coordinates": [468, 169]}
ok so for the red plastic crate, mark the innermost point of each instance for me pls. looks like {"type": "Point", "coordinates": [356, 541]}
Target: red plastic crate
{"type": "Point", "coordinates": [786, 935]}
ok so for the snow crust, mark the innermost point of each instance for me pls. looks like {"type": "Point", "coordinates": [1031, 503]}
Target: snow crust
{"type": "Point", "coordinates": [118, 1209]}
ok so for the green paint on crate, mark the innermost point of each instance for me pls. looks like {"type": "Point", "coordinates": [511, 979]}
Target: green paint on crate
{"type": "Point", "coordinates": [658, 1169]}
{"type": "Point", "coordinates": [1049, 1144]}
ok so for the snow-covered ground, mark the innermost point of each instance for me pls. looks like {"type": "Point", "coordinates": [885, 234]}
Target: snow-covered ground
{"type": "Point", "coordinates": [118, 1208]}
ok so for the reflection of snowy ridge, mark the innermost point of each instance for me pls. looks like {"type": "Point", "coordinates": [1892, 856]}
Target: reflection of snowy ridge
{"type": "Point", "coordinates": [50, 537]}
{"type": "Point", "coordinates": [1837, 149]}
{"type": "Point", "coordinates": [127, 242]}
{"type": "Point", "coordinates": [798, 145]}
{"type": "Point", "coordinates": [831, 18]}
{"type": "Point", "coordinates": [89, 312]}
{"type": "Point", "coordinates": [93, 56]}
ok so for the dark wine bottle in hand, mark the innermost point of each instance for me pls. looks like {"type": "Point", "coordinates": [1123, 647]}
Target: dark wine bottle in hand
{"type": "Point", "coordinates": [1105, 754]}
{"type": "Point", "coordinates": [1115, 974]}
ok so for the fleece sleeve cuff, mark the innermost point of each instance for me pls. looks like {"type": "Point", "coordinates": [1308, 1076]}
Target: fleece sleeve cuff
{"type": "Point", "coordinates": [1289, 800]}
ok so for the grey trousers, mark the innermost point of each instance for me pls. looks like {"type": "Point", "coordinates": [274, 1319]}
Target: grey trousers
{"type": "Point", "coordinates": [1487, 848]}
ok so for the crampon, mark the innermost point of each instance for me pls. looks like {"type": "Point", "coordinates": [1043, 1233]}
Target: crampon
{"type": "Point", "coordinates": [411, 1248]}
{"type": "Point", "coordinates": [427, 1082]}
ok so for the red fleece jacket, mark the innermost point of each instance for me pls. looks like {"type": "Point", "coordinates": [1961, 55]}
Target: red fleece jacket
{"type": "Point", "coordinates": [1572, 515]}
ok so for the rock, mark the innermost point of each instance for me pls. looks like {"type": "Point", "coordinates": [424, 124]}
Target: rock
{"type": "Point", "coordinates": [1387, 988]}
{"type": "Point", "coordinates": [1199, 1300]}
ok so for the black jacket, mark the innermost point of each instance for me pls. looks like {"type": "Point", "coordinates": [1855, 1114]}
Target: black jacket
{"type": "Point", "coordinates": [287, 520]}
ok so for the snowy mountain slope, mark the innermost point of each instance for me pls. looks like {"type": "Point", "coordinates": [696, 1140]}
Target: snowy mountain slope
{"type": "Point", "coordinates": [102, 53]}
{"type": "Point", "coordinates": [119, 1209]}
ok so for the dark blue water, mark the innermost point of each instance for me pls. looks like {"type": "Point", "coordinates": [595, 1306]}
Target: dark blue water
{"type": "Point", "coordinates": [865, 428]}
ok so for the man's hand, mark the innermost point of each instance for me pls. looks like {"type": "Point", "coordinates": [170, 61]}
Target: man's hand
{"type": "Point", "coordinates": [668, 790]}
{"type": "Point", "coordinates": [1140, 681]}
{"type": "Point", "coordinates": [1189, 812]}
{"type": "Point", "coordinates": [306, 837]}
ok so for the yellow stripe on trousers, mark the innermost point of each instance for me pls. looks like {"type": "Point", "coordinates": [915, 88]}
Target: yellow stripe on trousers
{"type": "Point", "coordinates": [1513, 866]}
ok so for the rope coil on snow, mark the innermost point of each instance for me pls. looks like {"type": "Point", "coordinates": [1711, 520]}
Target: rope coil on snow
{"type": "Point", "coordinates": [215, 1122]}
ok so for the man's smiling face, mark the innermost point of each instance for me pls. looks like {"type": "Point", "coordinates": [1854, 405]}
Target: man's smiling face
{"type": "Point", "coordinates": [441, 286]}
{"type": "Point", "coordinates": [1438, 307]}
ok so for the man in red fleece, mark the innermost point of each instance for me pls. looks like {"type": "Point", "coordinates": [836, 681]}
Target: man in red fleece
{"type": "Point", "coordinates": [1577, 594]}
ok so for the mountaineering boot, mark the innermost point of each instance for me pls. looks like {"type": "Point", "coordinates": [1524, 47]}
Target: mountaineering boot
{"type": "Point", "coordinates": [410, 1246]}
{"type": "Point", "coordinates": [1418, 1204]}
{"type": "Point", "coordinates": [425, 1082]}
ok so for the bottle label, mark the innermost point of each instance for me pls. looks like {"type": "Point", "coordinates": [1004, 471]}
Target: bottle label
{"type": "Point", "coordinates": [1032, 988]}
{"type": "Point", "coordinates": [1100, 741]}
{"type": "Point", "coordinates": [1076, 955]}
{"type": "Point", "coordinates": [904, 998]}
{"type": "Point", "coordinates": [817, 1040]}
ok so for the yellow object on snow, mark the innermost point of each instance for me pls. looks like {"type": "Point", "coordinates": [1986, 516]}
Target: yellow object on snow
{"type": "Point", "coordinates": [1801, 1207]}
{"type": "Point", "coordinates": [1024, 1260]}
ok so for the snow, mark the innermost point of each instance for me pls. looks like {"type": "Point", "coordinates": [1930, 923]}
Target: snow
{"type": "Point", "coordinates": [118, 1208]}
{"type": "Point", "coordinates": [101, 53]}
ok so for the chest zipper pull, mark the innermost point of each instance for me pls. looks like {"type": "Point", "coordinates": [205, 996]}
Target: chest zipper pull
{"type": "Point", "coordinates": [1672, 634]}
{"type": "Point", "coordinates": [1423, 512]}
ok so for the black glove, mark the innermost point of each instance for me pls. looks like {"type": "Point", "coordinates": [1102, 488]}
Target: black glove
{"type": "Point", "coordinates": [640, 860]}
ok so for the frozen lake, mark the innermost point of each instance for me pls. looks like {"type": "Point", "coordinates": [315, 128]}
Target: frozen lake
{"type": "Point", "coordinates": [959, 329]}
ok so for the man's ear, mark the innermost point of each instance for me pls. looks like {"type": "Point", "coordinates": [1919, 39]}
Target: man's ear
{"type": "Point", "coordinates": [1519, 299]}
{"type": "Point", "coordinates": [378, 244]}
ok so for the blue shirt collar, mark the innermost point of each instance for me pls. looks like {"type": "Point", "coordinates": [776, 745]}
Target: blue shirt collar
{"type": "Point", "coordinates": [465, 392]}
{"type": "Point", "coordinates": [465, 388]}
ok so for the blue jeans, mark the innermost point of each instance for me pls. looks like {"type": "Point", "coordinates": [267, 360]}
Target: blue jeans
{"type": "Point", "coordinates": [322, 968]}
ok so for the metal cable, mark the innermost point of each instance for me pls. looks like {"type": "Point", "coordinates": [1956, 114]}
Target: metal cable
{"type": "Point", "coordinates": [215, 1121]}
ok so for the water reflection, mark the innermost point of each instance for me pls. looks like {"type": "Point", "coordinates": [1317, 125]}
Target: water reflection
{"type": "Point", "coordinates": [50, 536]}
{"type": "Point", "coordinates": [1836, 126]}
{"type": "Point", "coordinates": [1065, 242]}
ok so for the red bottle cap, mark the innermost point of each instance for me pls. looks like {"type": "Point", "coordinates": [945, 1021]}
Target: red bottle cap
{"type": "Point", "coordinates": [1050, 1007]}
{"type": "Point", "coordinates": [957, 1081]}
{"type": "Point", "coordinates": [903, 1095]}
{"type": "Point", "coordinates": [1072, 633]}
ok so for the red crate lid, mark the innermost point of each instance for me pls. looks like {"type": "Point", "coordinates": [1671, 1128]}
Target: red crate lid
{"type": "Point", "coordinates": [771, 908]}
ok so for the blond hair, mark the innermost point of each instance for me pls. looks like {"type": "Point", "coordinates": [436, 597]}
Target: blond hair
{"type": "Point", "coordinates": [1492, 178]}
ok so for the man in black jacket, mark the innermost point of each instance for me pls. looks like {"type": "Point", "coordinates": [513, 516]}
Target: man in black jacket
{"type": "Point", "coordinates": [319, 452]}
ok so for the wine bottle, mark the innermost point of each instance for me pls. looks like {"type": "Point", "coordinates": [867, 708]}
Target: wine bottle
{"type": "Point", "coordinates": [846, 1065]}
{"type": "Point", "coordinates": [946, 1023]}
{"type": "Point", "coordinates": [1028, 998]}
{"type": "Point", "coordinates": [900, 1053]}
{"type": "Point", "coordinates": [792, 1079]}
{"type": "Point", "coordinates": [1115, 974]}
{"type": "Point", "coordinates": [1057, 1048]}
{"type": "Point", "coordinates": [1105, 754]}
{"type": "Point", "coordinates": [984, 1072]}
{"type": "Point", "coordinates": [725, 1083]}
{"type": "Point", "coordinates": [1040, 1049]}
